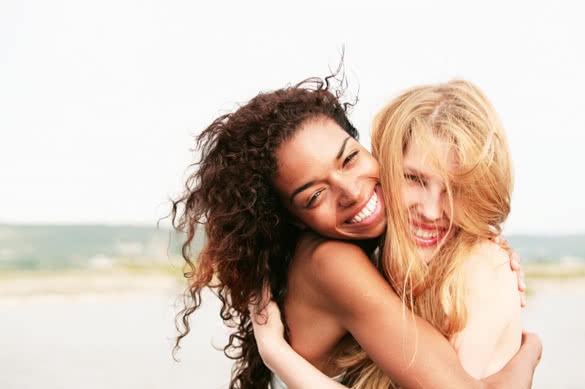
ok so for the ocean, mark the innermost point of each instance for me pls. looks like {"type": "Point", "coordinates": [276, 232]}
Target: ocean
{"type": "Point", "coordinates": [51, 247]}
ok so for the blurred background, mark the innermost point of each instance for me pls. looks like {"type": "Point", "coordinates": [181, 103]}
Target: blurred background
{"type": "Point", "coordinates": [99, 103]}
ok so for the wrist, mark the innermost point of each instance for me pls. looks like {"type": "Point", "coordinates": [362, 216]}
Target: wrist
{"type": "Point", "coordinates": [271, 350]}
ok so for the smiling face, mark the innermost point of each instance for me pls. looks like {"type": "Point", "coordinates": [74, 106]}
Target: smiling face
{"type": "Point", "coordinates": [425, 195]}
{"type": "Point", "coordinates": [330, 183]}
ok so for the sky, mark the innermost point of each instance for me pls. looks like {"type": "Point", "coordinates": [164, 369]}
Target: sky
{"type": "Point", "coordinates": [100, 101]}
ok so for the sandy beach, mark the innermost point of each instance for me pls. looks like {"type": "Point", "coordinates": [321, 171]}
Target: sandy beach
{"type": "Point", "coordinates": [115, 329]}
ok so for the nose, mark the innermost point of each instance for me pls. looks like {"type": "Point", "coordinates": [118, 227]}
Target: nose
{"type": "Point", "coordinates": [349, 191]}
{"type": "Point", "coordinates": [432, 204]}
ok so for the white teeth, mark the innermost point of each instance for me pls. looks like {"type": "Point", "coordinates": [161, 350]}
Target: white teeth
{"type": "Point", "coordinates": [425, 234]}
{"type": "Point", "coordinates": [370, 206]}
{"type": "Point", "coordinates": [367, 210]}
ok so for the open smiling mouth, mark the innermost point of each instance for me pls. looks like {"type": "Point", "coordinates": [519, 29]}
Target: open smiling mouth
{"type": "Point", "coordinates": [425, 235]}
{"type": "Point", "coordinates": [368, 212]}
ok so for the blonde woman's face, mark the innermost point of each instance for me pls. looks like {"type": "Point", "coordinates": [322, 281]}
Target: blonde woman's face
{"type": "Point", "coordinates": [425, 196]}
{"type": "Point", "coordinates": [330, 183]}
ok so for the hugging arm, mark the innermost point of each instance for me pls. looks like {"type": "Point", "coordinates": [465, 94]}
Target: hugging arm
{"type": "Point", "coordinates": [279, 356]}
{"type": "Point", "coordinates": [297, 373]}
{"type": "Point", "coordinates": [354, 293]}
{"type": "Point", "coordinates": [407, 348]}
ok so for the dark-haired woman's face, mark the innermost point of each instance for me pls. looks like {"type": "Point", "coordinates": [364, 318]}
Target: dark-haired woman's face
{"type": "Point", "coordinates": [330, 183]}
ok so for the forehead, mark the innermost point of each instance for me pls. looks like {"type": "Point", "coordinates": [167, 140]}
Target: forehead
{"type": "Point", "coordinates": [312, 149]}
{"type": "Point", "coordinates": [430, 154]}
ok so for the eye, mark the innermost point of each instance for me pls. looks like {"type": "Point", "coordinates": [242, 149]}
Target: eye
{"type": "Point", "coordinates": [415, 179]}
{"type": "Point", "coordinates": [313, 198]}
{"type": "Point", "coordinates": [350, 158]}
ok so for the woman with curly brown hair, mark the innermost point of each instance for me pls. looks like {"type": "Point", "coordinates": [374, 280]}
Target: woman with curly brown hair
{"type": "Point", "coordinates": [308, 239]}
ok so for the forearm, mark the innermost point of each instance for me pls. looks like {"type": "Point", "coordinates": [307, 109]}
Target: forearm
{"type": "Point", "coordinates": [415, 356]}
{"type": "Point", "coordinates": [294, 370]}
{"type": "Point", "coordinates": [297, 373]}
{"type": "Point", "coordinates": [436, 364]}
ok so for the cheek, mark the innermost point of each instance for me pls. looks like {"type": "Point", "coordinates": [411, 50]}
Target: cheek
{"type": "Point", "coordinates": [369, 166]}
{"type": "Point", "coordinates": [449, 207]}
{"type": "Point", "coordinates": [374, 166]}
{"type": "Point", "coordinates": [327, 213]}
{"type": "Point", "coordinates": [319, 219]}
{"type": "Point", "coordinates": [452, 212]}
{"type": "Point", "coordinates": [409, 195]}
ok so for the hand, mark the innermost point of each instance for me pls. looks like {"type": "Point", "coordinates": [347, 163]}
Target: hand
{"type": "Point", "coordinates": [530, 340]}
{"type": "Point", "coordinates": [268, 327]}
{"type": "Point", "coordinates": [515, 266]}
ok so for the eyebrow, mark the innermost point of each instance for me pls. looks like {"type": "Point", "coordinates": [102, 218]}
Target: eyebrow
{"type": "Point", "coordinates": [342, 149]}
{"type": "Point", "coordinates": [416, 172]}
{"type": "Point", "coordinates": [310, 183]}
{"type": "Point", "coordinates": [300, 189]}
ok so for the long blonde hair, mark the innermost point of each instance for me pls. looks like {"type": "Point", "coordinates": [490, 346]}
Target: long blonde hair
{"type": "Point", "coordinates": [478, 191]}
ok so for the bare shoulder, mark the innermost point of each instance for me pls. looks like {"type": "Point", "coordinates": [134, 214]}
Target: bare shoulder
{"type": "Point", "coordinates": [492, 332]}
{"type": "Point", "coordinates": [487, 256]}
{"type": "Point", "coordinates": [335, 250]}
{"type": "Point", "coordinates": [488, 274]}
{"type": "Point", "coordinates": [318, 253]}
{"type": "Point", "coordinates": [333, 260]}
{"type": "Point", "coordinates": [339, 275]}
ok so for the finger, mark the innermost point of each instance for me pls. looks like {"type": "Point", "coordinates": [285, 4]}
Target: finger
{"type": "Point", "coordinates": [254, 310]}
{"type": "Point", "coordinates": [259, 314]}
{"type": "Point", "coordinates": [522, 299]}
{"type": "Point", "coordinates": [521, 285]}
{"type": "Point", "coordinates": [502, 242]}
{"type": "Point", "coordinates": [259, 302]}
{"type": "Point", "coordinates": [521, 281]}
{"type": "Point", "coordinates": [514, 260]}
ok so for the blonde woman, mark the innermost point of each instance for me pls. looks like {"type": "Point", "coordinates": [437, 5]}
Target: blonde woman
{"type": "Point", "coordinates": [446, 178]}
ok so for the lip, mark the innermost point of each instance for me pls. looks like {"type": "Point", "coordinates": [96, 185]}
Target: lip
{"type": "Point", "coordinates": [428, 227]}
{"type": "Point", "coordinates": [427, 242]}
{"type": "Point", "coordinates": [375, 214]}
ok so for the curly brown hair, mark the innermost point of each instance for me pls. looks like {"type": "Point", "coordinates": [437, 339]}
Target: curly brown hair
{"type": "Point", "coordinates": [249, 241]}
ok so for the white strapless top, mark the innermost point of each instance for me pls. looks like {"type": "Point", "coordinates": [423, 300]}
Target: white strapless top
{"type": "Point", "coordinates": [276, 382]}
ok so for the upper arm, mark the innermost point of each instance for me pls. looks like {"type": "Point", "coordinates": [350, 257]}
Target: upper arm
{"type": "Point", "coordinates": [493, 304]}
{"type": "Point", "coordinates": [407, 348]}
